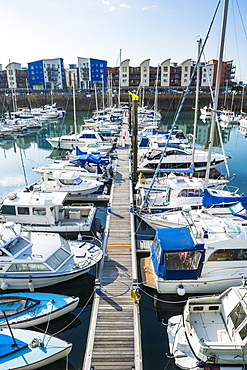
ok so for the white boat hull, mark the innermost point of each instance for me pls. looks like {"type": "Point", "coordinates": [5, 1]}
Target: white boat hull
{"type": "Point", "coordinates": [201, 285]}
{"type": "Point", "coordinates": [31, 281]}
{"type": "Point", "coordinates": [49, 310]}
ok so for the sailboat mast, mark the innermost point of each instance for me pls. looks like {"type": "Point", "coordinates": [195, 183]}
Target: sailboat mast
{"type": "Point", "coordinates": [119, 79]}
{"type": "Point", "coordinates": [28, 94]}
{"type": "Point", "coordinates": [242, 100]}
{"type": "Point", "coordinates": [217, 89]}
{"type": "Point", "coordinates": [103, 93]}
{"type": "Point", "coordinates": [196, 102]}
{"type": "Point", "coordinates": [226, 90]}
{"type": "Point", "coordinates": [75, 125]}
{"type": "Point", "coordinates": [96, 98]}
{"type": "Point", "coordinates": [156, 93]}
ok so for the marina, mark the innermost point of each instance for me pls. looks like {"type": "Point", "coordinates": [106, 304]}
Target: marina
{"type": "Point", "coordinates": [123, 189]}
{"type": "Point", "coordinates": [116, 284]}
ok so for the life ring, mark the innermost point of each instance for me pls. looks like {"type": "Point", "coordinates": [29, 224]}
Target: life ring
{"type": "Point", "coordinates": [143, 181]}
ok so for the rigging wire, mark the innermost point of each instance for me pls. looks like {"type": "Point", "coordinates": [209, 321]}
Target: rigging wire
{"type": "Point", "coordinates": [241, 18]}
{"type": "Point", "coordinates": [237, 43]}
{"type": "Point", "coordinates": [180, 107]}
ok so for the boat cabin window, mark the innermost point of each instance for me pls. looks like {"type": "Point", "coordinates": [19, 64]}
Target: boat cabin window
{"type": "Point", "coordinates": [154, 155]}
{"type": "Point", "coordinates": [183, 260]}
{"type": "Point", "coordinates": [190, 193]}
{"type": "Point", "coordinates": [237, 316]}
{"type": "Point", "coordinates": [57, 258]}
{"type": "Point", "coordinates": [39, 211]}
{"type": "Point", "coordinates": [76, 181]}
{"type": "Point", "coordinates": [23, 210]}
{"type": "Point", "coordinates": [64, 243]}
{"type": "Point", "coordinates": [180, 135]}
{"type": "Point", "coordinates": [8, 210]}
{"type": "Point", "coordinates": [243, 332]}
{"type": "Point", "coordinates": [177, 152]}
{"type": "Point", "coordinates": [93, 145]}
{"type": "Point", "coordinates": [88, 136]}
{"type": "Point", "coordinates": [24, 267]}
{"type": "Point", "coordinates": [229, 255]}
{"type": "Point", "coordinates": [16, 245]}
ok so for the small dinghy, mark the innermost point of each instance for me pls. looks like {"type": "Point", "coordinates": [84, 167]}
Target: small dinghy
{"type": "Point", "coordinates": [27, 349]}
{"type": "Point", "coordinates": [27, 309]}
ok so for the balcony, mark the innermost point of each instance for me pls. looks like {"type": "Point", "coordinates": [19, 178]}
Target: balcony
{"type": "Point", "coordinates": [48, 69]}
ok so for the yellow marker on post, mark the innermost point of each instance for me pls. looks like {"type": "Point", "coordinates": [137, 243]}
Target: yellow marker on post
{"type": "Point", "coordinates": [134, 96]}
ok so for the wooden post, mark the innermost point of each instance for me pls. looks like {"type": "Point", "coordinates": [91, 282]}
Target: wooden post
{"type": "Point", "coordinates": [130, 118]}
{"type": "Point", "coordinates": [134, 120]}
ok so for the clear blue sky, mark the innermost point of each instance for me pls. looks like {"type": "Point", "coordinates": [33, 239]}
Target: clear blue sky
{"type": "Point", "coordinates": [142, 29]}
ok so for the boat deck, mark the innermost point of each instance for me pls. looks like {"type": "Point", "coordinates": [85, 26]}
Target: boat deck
{"type": "Point", "coordinates": [147, 272]}
{"type": "Point", "coordinates": [114, 332]}
{"type": "Point", "coordinates": [210, 327]}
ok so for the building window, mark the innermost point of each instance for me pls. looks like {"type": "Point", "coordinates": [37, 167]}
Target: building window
{"type": "Point", "coordinates": [165, 69]}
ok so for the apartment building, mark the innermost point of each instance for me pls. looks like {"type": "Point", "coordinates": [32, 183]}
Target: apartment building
{"type": "Point", "coordinates": [15, 76]}
{"type": "Point", "coordinates": [71, 76]}
{"type": "Point", "coordinates": [47, 74]}
{"type": "Point", "coordinates": [170, 74]}
{"type": "Point", "coordinates": [91, 72]}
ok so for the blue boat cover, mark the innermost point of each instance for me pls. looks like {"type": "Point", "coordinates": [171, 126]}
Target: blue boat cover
{"type": "Point", "coordinates": [211, 197]}
{"type": "Point", "coordinates": [7, 347]}
{"type": "Point", "coordinates": [240, 210]}
{"type": "Point", "coordinates": [177, 241]}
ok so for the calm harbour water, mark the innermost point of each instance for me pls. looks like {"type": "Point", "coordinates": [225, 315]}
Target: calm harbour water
{"type": "Point", "coordinates": [17, 159]}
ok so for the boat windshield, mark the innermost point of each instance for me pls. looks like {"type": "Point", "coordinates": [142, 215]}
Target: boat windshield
{"type": "Point", "coordinates": [16, 245]}
{"type": "Point", "coordinates": [190, 193]}
{"type": "Point", "coordinates": [88, 136]}
{"type": "Point", "coordinates": [58, 258]}
{"type": "Point", "coordinates": [76, 181]}
{"type": "Point", "coordinates": [64, 244]}
{"type": "Point", "coordinates": [238, 315]}
{"type": "Point", "coordinates": [183, 260]}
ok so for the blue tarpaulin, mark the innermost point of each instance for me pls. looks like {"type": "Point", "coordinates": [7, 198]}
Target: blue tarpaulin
{"type": "Point", "coordinates": [84, 158]}
{"type": "Point", "coordinates": [175, 238]}
{"type": "Point", "coordinates": [174, 243]}
{"type": "Point", "coordinates": [240, 210]}
{"type": "Point", "coordinates": [211, 197]}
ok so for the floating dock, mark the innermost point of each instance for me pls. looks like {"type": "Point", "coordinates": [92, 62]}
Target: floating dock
{"type": "Point", "coordinates": [114, 337]}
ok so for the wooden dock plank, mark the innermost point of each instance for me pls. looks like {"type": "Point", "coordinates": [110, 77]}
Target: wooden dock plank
{"type": "Point", "coordinates": [113, 340]}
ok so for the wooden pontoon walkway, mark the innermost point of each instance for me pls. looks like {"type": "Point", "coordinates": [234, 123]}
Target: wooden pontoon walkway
{"type": "Point", "coordinates": [114, 333]}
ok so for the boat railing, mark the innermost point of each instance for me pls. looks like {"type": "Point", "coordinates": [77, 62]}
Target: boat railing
{"type": "Point", "coordinates": [196, 232]}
